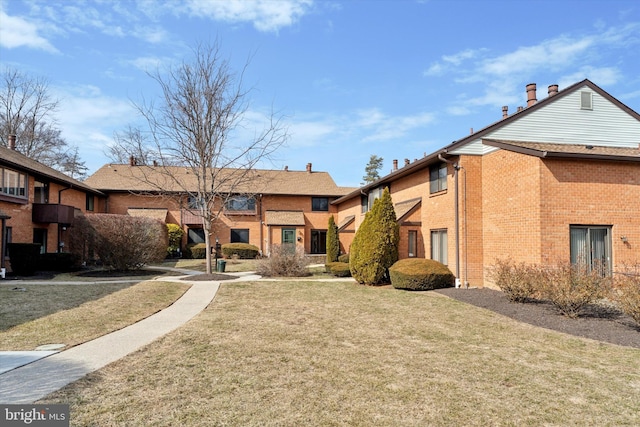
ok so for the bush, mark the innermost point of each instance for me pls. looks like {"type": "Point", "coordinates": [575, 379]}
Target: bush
{"type": "Point", "coordinates": [284, 261]}
{"type": "Point", "coordinates": [174, 234]}
{"type": "Point", "coordinates": [123, 242]}
{"type": "Point", "coordinates": [339, 269]}
{"type": "Point", "coordinates": [81, 241]}
{"type": "Point", "coordinates": [23, 257]}
{"type": "Point", "coordinates": [375, 245]}
{"type": "Point", "coordinates": [333, 241]}
{"type": "Point", "coordinates": [241, 250]}
{"type": "Point", "coordinates": [196, 251]}
{"type": "Point", "coordinates": [62, 261]}
{"type": "Point", "coordinates": [419, 274]}
{"type": "Point", "coordinates": [344, 258]}
{"type": "Point", "coordinates": [571, 287]}
{"type": "Point", "coordinates": [627, 293]}
{"type": "Point", "coordinates": [517, 281]}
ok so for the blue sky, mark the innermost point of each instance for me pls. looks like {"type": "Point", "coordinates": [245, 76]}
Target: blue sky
{"type": "Point", "coordinates": [353, 78]}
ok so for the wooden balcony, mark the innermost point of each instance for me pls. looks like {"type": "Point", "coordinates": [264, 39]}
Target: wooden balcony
{"type": "Point", "coordinates": [52, 213]}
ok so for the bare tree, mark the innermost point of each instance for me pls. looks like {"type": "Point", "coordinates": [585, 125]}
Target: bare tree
{"type": "Point", "coordinates": [27, 110]}
{"type": "Point", "coordinates": [190, 128]}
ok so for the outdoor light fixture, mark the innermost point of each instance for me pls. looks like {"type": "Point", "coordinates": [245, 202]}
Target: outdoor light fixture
{"type": "Point", "coordinates": [624, 239]}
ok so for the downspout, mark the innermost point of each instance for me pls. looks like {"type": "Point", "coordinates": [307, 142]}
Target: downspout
{"type": "Point", "coordinates": [261, 224]}
{"type": "Point", "coordinates": [456, 167]}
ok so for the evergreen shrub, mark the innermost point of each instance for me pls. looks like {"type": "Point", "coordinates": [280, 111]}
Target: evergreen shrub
{"type": "Point", "coordinates": [196, 251]}
{"type": "Point", "coordinates": [375, 245]}
{"type": "Point", "coordinates": [333, 241]}
{"type": "Point", "coordinates": [339, 269]}
{"type": "Point", "coordinates": [242, 250]}
{"type": "Point", "coordinates": [344, 258]}
{"type": "Point", "coordinates": [419, 274]}
{"type": "Point", "coordinates": [59, 261]}
{"type": "Point", "coordinates": [23, 257]}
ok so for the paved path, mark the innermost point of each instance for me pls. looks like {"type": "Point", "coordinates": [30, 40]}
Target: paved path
{"type": "Point", "coordinates": [33, 381]}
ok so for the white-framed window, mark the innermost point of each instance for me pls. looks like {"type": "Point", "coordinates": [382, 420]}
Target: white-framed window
{"type": "Point", "coordinates": [413, 243]}
{"type": "Point", "coordinates": [586, 100]}
{"type": "Point", "coordinates": [13, 183]}
{"type": "Point", "coordinates": [439, 247]}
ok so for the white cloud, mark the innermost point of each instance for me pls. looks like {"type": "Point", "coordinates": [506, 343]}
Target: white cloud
{"type": "Point", "coordinates": [17, 32]}
{"type": "Point", "coordinates": [266, 15]}
{"type": "Point", "coordinates": [601, 76]}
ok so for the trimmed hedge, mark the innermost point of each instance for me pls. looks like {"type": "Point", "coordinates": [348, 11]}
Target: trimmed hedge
{"type": "Point", "coordinates": [419, 274]}
{"type": "Point", "coordinates": [338, 269]}
{"type": "Point", "coordinates": [196, 251]}
{"type": "Point", "coordinates": [59, 261]}
{"type": "Point", "coordinates": [242, 250]}
{"type": "Point", "coordinates": [24, 258]}
{"type": "Point", "coordinates": [344, 258]}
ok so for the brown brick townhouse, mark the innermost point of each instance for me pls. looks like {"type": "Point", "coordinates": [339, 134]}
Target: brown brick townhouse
{"type": "Point", "coordinates": [278, 206]}
{"type": "Point", "coordinates": [38, 203]}
{"type": "Point", "coordinates": [557, 180]}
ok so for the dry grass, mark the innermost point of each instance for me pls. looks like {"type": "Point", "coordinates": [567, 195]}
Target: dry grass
{"type": "Point", "coordinates": [73, 314]}
{"type": "Point", "coordinates": [339, 354]}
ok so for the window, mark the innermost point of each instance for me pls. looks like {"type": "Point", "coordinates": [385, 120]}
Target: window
{"type": "Point", "coordinates": [374, 194]}
{"type": "Point", "coordinates": [8, 235]}
{"type": "Point", "coordinates": [90, 202]}
{"type": "Point", "coordinates": [413, 243]}
{"type": "Point", "coordinates": [192, 202]}
{"type": "Point", "coordinates": [40, 192]}
{"type": "Point", "coordinates": [320, 204]}
{"type": "Point", "coordinates": [439, 246]}
{"type": "Point", "coordinates": [591, 247]}
{"type": "Point", "coordinates": [318, 241]}
{"type": "Point", "coordinates": [195, 235]}
{"type": "Point", "coordinates": [13, 183]}
{"type": "Point", "coordinates": [586, 101]}
{"type": "Point", "coordinates": [437, 178]}
{"type": "Point", "coordinates": [240, 235]}
{"type": "Point", "coordinates": [364, 204]}
{"type": "Point", "coordinates": [241, 203]}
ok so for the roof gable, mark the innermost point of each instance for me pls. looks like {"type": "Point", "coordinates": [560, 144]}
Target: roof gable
{"type": "Point", "coordinates": [19, 161]}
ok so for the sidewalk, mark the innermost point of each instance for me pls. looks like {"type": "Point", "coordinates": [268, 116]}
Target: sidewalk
{"type": "Point", "coordinates": [35, 380]}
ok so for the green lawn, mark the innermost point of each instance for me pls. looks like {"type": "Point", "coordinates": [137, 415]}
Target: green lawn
{"type": "Point", "coordinates": [339, 354]}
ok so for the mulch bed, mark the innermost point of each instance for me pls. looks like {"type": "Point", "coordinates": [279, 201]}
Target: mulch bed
{"type": "Point", "coordinates": [598, 322]}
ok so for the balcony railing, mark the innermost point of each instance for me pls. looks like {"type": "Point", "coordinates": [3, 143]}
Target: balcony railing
{"type": "Point", "coordinates": [52, 213]}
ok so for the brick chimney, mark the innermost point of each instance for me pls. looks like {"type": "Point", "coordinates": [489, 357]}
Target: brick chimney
{"type": "Point", "coordinates": [12, 142]}
{"type": "Point", "coordinates": [132, 161]}
{"type": "Point", "coordinates": [406, 162]}
{"type": "Point", "coordinates": [505, 111]}
{"type": "Point", "coordinates": [395, 165]}
{"type": "Point", "coordinates": [531, 94]}
{"type": "Point", "coordinates": [553, 89]}
{"type": "Point", "coordinates": [309, 167]}
{"type": "Point", "coordinates": [286, 168]}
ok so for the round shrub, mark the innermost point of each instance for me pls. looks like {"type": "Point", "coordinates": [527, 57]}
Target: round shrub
{"type": "Point", "coordinates": [344, 258]}
{"type": "Point", "coordinates": [339, 269]}
{"type": "Point", "coordinates": [242, 250]}
{"type": "Point", "coordinates": [419, 274]}
{"type": "Point", "coordinates": [196, 251]}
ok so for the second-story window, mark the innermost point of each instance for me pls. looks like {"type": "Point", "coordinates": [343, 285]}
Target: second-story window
{"type": "Point", "coordinates": [320, 204]}
{"type": "Point", "coordinates": [40, 192]}
{"type": "Point", "coordinates": [241, 203]}
{"type": "Point", "coordinates": [13, 183]}
{"type": "Point", "coordinates": [437, 178]}
{"type": "Point", "coordinates": [90, 202]}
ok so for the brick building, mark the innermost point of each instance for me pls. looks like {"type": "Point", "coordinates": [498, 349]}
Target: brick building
{"type": "Point", "coordinates": [557, 180]}
{"type": "Point", "coordinates": [38, 203]}
{"type": "Point", "coordinates": [272, 207]}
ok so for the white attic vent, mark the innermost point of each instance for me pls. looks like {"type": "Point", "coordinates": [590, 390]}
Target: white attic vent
{"type": "Point", "coordinates": [586, 101]}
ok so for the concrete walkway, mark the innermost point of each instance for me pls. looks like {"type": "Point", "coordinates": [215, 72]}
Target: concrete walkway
{"type": "Point", "coordinates": [35, 380]}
